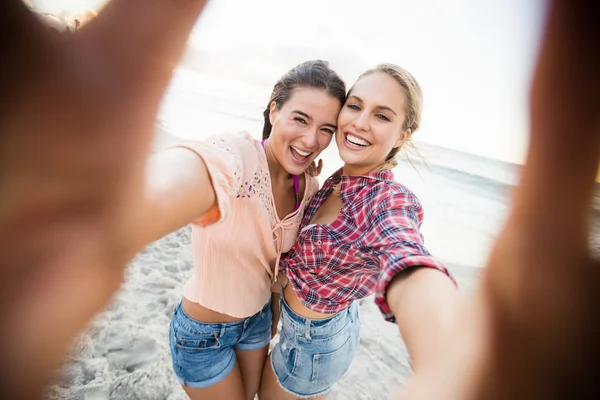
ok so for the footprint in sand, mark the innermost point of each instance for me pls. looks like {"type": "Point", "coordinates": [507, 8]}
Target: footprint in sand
{"type": "Point", "coordinates": [165, 283]}
{"type": "Point", "coordinates": [135, 355]}
{"type": "Point", "coordinates": [93, 369]}
{"type": "Point", "coordinates": [172, 268]}
{"type": "Point", "coordinates": [149, 267]}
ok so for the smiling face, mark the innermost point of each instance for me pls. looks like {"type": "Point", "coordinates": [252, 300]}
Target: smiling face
{"type": "Point", "coordinates": [302, 128]}
{"type": "Point", "coordinates": [371, 123]}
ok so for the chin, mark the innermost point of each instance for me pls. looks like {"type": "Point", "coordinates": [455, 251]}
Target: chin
{"type": "Point", "coordinates": [351, 159]}
{"type": "Point", "coordinates": [295, 169]}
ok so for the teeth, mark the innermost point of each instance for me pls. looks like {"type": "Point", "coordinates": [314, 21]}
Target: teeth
{"type": "Point", "coordinates": [356, 140]}
{"type": "Point", "coordinates": [302, 153]}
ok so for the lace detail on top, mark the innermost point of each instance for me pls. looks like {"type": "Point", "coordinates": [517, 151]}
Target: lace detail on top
{"type": "Point", "coordinates": [257, 186]}
{"type": "Point", "coordinates": [232, 157]}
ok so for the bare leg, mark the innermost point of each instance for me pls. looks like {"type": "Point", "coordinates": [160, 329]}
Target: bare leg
{"type": "Point", "coordinates": [230, 388]}
{"type": "Point", "coordinates": [251, 366]}
{"type": "Point", "coordinates": [270, 388]}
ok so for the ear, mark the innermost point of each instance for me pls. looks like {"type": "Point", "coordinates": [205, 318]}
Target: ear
{"type": "Point", "coordinates": [404, 137]}
{"type": "Point", "coordinates": [272, 112]}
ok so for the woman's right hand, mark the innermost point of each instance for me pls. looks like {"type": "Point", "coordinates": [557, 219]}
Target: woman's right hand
{"type": "Point", "coordinates": [78, 114]}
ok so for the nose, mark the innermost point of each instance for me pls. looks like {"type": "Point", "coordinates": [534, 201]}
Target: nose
{"type": "Point", "coordinates": [361, 121]}
{"type": "Point", "coordinates": [309, 139]}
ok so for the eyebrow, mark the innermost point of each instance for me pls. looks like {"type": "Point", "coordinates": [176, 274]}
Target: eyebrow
{"type": "Point", "coordinates": [310, 118]}
{"type": "Point", "coordinates": [380, 107]}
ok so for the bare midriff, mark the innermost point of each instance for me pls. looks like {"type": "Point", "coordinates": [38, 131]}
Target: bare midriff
{"type": "Point", "coordinates": [295, 304]}
{"type": "Point", "coordinates": [206, 315]}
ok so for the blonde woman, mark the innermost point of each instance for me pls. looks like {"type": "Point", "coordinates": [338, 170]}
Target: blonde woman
{"type": "Point", "coordinates": [360, 233]}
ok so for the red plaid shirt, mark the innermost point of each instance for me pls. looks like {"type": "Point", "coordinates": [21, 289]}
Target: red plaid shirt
{"type": "Point", "coordinates": [375, 236]}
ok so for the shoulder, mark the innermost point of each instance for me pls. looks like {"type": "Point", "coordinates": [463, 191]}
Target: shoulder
{"type": "Point", "coordinates": [241, 142]}
{"type": "Point", "coordinates": [311, 185]}
{"type": "Point", "coordinates": [394, 198]}
{"type": "Point", "coordinates": [233, 143]}
{"type": "Point", "coordinates": [237, 155]}
{"type": "Point", "coordinates": [398, 194]}
{"type": "Point", "coordinates": [240, 148]}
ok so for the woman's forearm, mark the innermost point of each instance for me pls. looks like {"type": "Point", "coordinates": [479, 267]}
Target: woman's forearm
{"type": "Point", "coordinates": [425, 303]}
{"type": "Point", "coordinates": [178, 190]}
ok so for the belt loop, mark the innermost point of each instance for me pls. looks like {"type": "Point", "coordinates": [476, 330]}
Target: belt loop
{"type": "Point", "coordinates": [307, 328]}
{"type": "Point", "coordinates": [222, 331]}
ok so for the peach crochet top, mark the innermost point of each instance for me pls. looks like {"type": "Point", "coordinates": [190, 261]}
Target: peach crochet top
{"type": "Point", "coordinates": [237, 245]}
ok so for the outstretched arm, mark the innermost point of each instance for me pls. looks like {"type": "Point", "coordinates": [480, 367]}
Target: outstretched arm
{"type": "Point", "coordinates": [178, 190]}
{"type": "Point", "coordinates": [425, 304]}
{"type": "Point", "coordinates": [541, 284]}
{"type": "Point", "coordinates": [414, 289]}
{"type": "Point", "coordinates": [76, 118]}
{"type": "Point", "coordinates": [532, 329]}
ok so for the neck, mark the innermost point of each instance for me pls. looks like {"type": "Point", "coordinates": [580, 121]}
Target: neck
{"type": "Point", "coordinates": [357, 170]}
{"type": "Point", "coordinates": [276, 171]}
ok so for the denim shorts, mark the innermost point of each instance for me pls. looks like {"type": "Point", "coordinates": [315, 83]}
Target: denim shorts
{"type": "Point", "coordinates": [313, 354]}
{"type": "Point", "coordinates": [204, 354]}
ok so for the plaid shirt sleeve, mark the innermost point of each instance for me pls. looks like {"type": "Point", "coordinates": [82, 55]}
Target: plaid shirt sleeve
{"type": "Point", "coordinates": [399, 243]}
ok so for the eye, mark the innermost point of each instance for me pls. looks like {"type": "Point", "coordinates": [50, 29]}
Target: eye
{"type": "Point", "coordinates": [301, 120]}
{"type": "Point", "coordinates": [329, 131]}
{"type": "Point", "coordinates": [354, 107]}
{"type": "Point", "coordinates": [383, 117]}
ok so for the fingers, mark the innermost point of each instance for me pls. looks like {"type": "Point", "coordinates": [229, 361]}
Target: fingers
{"type": "Point", "coordinates": [147, 32]}
{"type": "Point", "coordinates": [131, 49]}
{"type": "Point", "coordinates": [320, 167]}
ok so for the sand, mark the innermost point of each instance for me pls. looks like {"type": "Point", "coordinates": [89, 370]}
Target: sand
{"type": "Point", "coordinates": [124, 354]}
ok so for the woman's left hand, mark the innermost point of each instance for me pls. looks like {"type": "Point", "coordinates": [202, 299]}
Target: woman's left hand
{"type": "Point", "coordinates": [315, 169]}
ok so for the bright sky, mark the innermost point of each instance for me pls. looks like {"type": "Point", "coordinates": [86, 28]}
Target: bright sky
{"type": "Point", "coordinates": [473, 58]}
